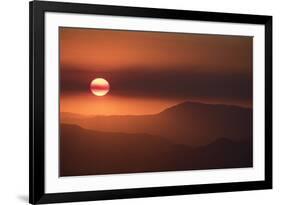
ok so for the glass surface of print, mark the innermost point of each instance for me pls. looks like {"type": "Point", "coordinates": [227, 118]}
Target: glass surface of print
{"type": "Point", "coordinates": [134, 101]}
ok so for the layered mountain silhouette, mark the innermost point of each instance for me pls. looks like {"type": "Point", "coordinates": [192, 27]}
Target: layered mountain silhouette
{"type": "Point", "coordinates": [188, 123]}
{"type": "Point", "coordinates": [88, 152]}
{"type": "Point", "coordinates": [187, 136]}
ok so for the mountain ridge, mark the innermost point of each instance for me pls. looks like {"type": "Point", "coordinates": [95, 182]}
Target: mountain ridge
{"type": "Point", "coordinates": [185, 123]}
{"type": "Point", "coordinates": [164, 110]}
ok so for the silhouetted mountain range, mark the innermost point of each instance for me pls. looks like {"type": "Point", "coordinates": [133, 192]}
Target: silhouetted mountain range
{"type": "Point", "coordinates": [88, 152]}
{"type": "Point", "coordinates": [188, 123]}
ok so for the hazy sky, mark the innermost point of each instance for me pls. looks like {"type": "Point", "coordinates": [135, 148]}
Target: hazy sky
{"type": "Point", "coordinates": [150, 71]}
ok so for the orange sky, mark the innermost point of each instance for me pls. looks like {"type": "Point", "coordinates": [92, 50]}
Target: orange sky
{"type": "Point", "coordinates": [121, 49]}
{"type": "Point", "coordinates": [150, 71]}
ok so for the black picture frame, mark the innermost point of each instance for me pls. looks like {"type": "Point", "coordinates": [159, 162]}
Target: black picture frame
{"type": "Point", "coordinates": [37, 194]}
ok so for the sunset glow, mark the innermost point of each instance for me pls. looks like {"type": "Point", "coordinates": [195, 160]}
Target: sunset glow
{"type": "Point", "coordinates": [99, 87]}
{"type": "Point", "coordinates": [181, 101]}
{"type": "Point", "coordinates": [114, 72]}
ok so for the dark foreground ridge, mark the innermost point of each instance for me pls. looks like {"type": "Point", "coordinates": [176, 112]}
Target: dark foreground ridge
{"type": "Point", "coordinates": [88, 152]}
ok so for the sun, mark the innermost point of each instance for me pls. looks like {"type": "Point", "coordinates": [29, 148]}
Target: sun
{"type": "Point", "coordinates": [99, 87]}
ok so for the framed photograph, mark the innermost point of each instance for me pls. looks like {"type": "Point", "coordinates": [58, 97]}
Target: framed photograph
{"type": "Point", "coordinates": [140, 102]}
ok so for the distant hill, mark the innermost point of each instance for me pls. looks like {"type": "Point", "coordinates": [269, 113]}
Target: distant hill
{"type": "Point", "coordinates": [88, 152]}
{"type": "Point", "coordinates": [189, 123]}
